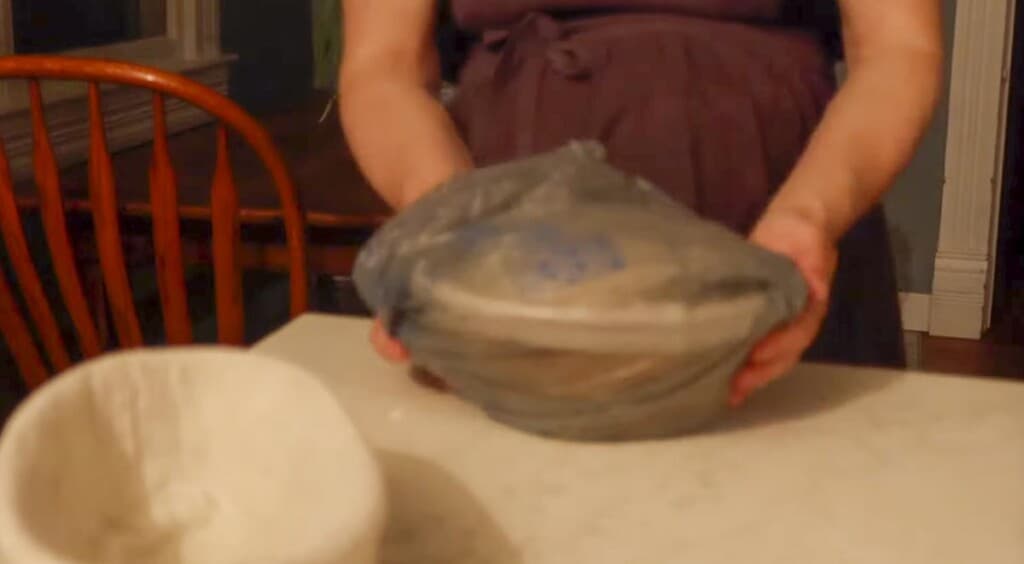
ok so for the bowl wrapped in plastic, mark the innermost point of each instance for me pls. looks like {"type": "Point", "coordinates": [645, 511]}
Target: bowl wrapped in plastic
{"type": "Point", "coordinates": [569, 299]}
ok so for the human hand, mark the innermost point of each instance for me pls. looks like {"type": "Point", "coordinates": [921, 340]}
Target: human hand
{"type": "Point", "coordinates": [807, 244]}
{"type": "Point", "coordinates": [393, 351]}
{"type": "Point", "coordinates": [387, 346]}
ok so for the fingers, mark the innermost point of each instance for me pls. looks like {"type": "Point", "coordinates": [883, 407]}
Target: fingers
{"type": "Point", "coordinates": [795, 337]}
{"type": "Point", "coordinates": [756, 376]}
{"type": "Point", "coordinates": [818, 287]}
{"type": "Point", "coordinates": [778, 353]}
{"type": "Point", "coordinates": [790, 341]}
{"type": "Point", "coordinates": [391, 350]}
{"type": "Point", "coordinates": [427, 379]}
{"type": "Point", "coordinates": [387, 347]}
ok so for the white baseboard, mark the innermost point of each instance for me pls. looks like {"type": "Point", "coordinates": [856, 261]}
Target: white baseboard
{"type": "Point", "coordinates": [916, 310]}
{"type": "Point", "coordinates": [958, 296]}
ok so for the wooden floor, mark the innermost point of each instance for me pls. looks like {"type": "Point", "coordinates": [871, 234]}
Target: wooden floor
{"type": "Point", "coordinates": [1000, 353]}
{"type": "Point", "coordinates": [982, 358]}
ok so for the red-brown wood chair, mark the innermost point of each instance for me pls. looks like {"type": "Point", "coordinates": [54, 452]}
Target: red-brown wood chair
{"type": "Point", "coordinates": [104, 210]}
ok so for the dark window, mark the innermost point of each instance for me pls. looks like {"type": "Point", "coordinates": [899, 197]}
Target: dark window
{"type": "Point", "coordinates": [48, 26]}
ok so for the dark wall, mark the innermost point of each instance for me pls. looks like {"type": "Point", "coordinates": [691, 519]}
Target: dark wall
{"type": "Point", "coordinates": [1008, 293]}
{"type": "Point", "coordinates": [273, 42]}
{"type": "Point", "coordinates": [915, 203]}
{"type": "Point", "coordinates": [50, 26]}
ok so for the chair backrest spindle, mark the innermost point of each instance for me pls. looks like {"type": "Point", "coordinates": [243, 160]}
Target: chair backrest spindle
{"type": "Point", "coordinates": [106, 225]}
{"type": "Point", "coordinates": [226, 246]}
{"type": "Point", "coordinates": [103, 203]}
{"type": "Point", "coordinates": [14, 329]}
{"type": "Point", "coordinates": [25, 270]}
{"type": "Point", "coordinates": [51, 204]}
{"type": "Point", "coordinates": [170, 270]}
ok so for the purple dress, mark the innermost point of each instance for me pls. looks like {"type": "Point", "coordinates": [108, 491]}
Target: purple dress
{"type": "Point", "coordinates": [712, 100]}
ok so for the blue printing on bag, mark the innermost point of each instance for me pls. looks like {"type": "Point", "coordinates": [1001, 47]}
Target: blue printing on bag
{"type": "Point", "coordinates": [553, 256]}
{"type": "Point", "coordinates": [570, 258]}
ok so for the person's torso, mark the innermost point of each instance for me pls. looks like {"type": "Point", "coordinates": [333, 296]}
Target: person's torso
{"type": "Point", "coordinates": [819, 14]}
{"type": "Point", "coordinates": [461, 19]}
{"type": "Point", "coordinates": [483, 14]}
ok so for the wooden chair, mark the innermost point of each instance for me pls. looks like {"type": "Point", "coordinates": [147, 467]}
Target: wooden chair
{"type": "Point", "coordinates": [104, 210]}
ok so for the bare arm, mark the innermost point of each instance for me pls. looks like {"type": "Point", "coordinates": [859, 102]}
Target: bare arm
{"type": "Point", "coordinates": [400, 134]}
{"type": "Point", "coordinates": [872, 127]}
{"type": "Point", "coordinates": [868, 134]}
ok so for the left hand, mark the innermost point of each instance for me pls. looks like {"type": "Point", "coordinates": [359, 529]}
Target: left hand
{"type": "Point", "coordinates": [796, 237]}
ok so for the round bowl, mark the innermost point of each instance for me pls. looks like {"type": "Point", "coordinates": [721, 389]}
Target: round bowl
{"type": "Point", "coordinates": [580, 396]}
{"type": "Point", "coordinates": [194, 455]}
{"type": "Point", "coordinates": [612, 323]}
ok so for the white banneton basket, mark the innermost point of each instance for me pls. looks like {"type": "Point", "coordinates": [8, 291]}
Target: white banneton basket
{"type": "Point", "coordinates": [197, 455]}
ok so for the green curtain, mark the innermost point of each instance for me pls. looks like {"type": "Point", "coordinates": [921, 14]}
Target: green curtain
{"type": "Point", "coordinates": [327, 43]}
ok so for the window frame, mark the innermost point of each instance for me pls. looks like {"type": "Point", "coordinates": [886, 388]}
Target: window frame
{"type": "Point", "coordinates": [191, 46]}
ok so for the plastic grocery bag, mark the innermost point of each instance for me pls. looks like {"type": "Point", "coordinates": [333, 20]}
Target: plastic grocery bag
{"type": "Point", "coordinates": [569, 299]}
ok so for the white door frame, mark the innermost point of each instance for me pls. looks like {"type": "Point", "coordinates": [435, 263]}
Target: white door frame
{"type": "Point", "coordinates": [961, 299]}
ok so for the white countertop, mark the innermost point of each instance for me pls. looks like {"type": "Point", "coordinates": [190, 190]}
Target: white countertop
{"type": "Point", "coordinates": [831, 465]}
